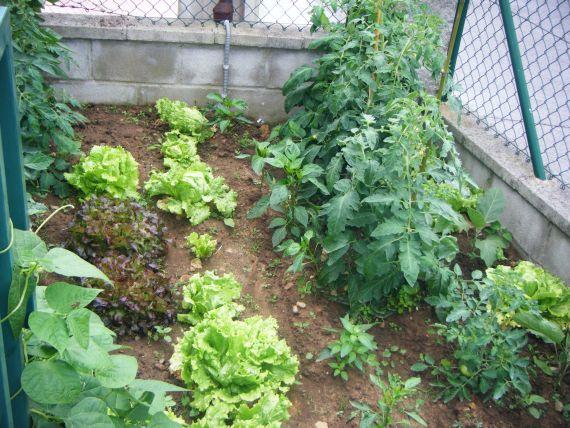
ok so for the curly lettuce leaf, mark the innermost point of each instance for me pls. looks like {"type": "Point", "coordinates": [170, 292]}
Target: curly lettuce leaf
{"type": "Point", "coordinates": [181, 117]}
{"type": "Point", "coordinates": [110, 171]}
{"type": "Point", "coordinates": [548, 291]}
{"type": "Point", "coordinates": [234, 362]}
{"type": "Point", "coordinates": [203, 293]}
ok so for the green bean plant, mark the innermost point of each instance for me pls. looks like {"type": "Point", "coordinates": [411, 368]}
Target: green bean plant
{"type": "Point", "coordinates": [347, 171]}
{"type": "Point", "coordinates": [72, 372]}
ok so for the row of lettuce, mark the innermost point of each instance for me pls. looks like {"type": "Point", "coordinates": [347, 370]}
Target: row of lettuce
{"type": "Point", "coordinates": [237, 370]}
{"type": "Point", "coordinates": [368, 195]}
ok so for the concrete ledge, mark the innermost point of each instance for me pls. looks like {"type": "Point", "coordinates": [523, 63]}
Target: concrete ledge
{"type": "Point", "coordinates": [537, 212]}
{"type": "Point", "coordinates": [93, 27]}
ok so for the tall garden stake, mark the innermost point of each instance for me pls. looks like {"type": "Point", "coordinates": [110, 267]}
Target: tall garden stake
{"type": "Point", "coordinates": [13, 214]}
{"type": "Point", "coordinates": [522, 90]}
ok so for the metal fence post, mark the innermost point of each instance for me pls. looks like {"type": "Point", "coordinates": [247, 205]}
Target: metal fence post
{"type": "Point", "coordinates": [522, 89]}
{"type": "Point", "coordinates": [454, 42]}
{"type": "Point", "coordinates": [12, 207]}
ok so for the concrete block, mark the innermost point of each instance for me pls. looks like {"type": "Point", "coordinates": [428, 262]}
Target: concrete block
{"type": "Point", "coordinates": [81, 53]}
{"type": "Point", "coordinates": [99, 92]}
{"type": "Point", "coordinates": [283, 62]}
{"type": "Point", "coordinates": [200, 65]}
{"type": "Point", "coordinates": [191, 34]}
{"type": "Point", "coordinates": [283, 39]}
{"type": "Point", "coordinates": [265, 103]}
{"type": "Point", "coordinates": [134, 61]}
{"type": "Point", "coordinates": [248, 67]}
{"type": "Point", "coordinates": [193, 95]}
{"type": "Point", "coordinates": [243, 35]}
{"type": "Point", "coordinates": [77, 26]}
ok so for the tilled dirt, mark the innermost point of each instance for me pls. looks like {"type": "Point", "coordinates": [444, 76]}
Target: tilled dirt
{"type": "Point", "coordinates": [246, 251]}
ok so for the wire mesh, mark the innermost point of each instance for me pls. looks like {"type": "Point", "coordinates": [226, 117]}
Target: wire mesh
{"type": "Point", "coordinates": [484, 72]}
{"type": "Point", "coordinates": [288, 14]}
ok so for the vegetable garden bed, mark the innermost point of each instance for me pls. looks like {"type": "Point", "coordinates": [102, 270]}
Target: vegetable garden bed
{"type": "Point", "coordinates": [303, 316]}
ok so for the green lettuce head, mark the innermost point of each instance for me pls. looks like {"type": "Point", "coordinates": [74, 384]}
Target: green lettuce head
{"type": "Point", "coordinates": [204, 295]}
{"type": "Point", "coordinates": [547, 290]}
{"type": "Point", "coordinates": [192, 190]}
{"type": "Point", "coordinates": [109, 171]}
{"type": "Point", "coordinates": [179, 148]}
{"type": "Point", "coordinates": [237, 366]}
{"type": "Point", "coordinates": [187, 120]}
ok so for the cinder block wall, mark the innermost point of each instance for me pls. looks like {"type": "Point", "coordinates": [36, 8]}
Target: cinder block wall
{"type": "Point", "coordinates": [122, 61]}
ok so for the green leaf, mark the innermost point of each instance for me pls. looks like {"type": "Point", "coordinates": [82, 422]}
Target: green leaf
{"type": "Point", "coordinates": [389, 227]}
{"type": "Point", "coordinates": [417, 418]}
{"type": "Point", "coordinates": [340, 210]}
{"type": "Point", "coordinates": [491, 205]}
{"type": "Point", "coordinates": [409, 260]}
{"type": "Point", "coordinates": [476, 218]}
{"type": "Point", "coordinates": [419, 367]}
{"type": "Point", "coordinates": [64, 298]}
{"type": "Point", "coordinates": [301, 75]}
{"type": "Point", "coordinates": [95, 357]}
{"type": "Point", "coordinates": [78, 322]}
{"type": "Point", "coordinates": [292, 249]}
{"type": "Point", "coordinates": [412, 382]}
{"type": "Point", "coordinates": [91, 412]}
{"type": "Point", "coordinates": [278, 236]}
{"type": "Point", "coordinates": [279, 194]}
{"type": "Point", "coordinates": [259, 208]}
{"type": "Point", "coordinates": [489, 248]}
{"type": "Point", "coordinates": [539, 326]}
{"type": "Point", "coordinates": [50, 328]}
{"type": "Point", "coordinates": [37, 161]}
{"type": "Point", "coordinates": [51, 382]}
{"type": "Point", "coordinates": [301, 215]}
{"type": "Point", "coordinates": [28, 248]}
{"type": "Point", "coordinates": [66, 263]}
{"type": "Point", "coordinates": [17, 288]}
{"type": "Point", "coordinates": [123, 370]}
{"type": "Point", "coordinates": [543, 365]}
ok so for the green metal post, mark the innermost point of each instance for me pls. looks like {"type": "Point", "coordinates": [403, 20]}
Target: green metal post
{"type": "Point", "coordinates": [522, 90]}
{"type": "Point", "coordinates": [13, 213]}
{"type": "Point", "coordinates": [454, 43]}
{"type": "Point", "coordinates": [11, 137]}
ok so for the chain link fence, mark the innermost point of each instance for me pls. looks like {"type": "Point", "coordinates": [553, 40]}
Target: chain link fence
{"type": "Point", "coordinates": [288, 14]}
{"type": "Point", "coordinates": [483, 70]}
{"type": "Point", "coordinates": [485, 74]}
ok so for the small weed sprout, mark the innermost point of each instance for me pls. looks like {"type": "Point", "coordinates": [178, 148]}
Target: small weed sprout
{"type": "Point", "coordinates": [354, 348]}
{"type": "Point", "coordinates": [394, 393]}
{"type": "Point", "coordinates": [161, 333]}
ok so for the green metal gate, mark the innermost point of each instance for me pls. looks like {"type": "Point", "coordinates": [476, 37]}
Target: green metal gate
{"type": "Point", "coordinates": [13, 214]}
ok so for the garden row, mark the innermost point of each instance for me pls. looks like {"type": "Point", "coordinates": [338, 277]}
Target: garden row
{"type": "Point", "coordinates": [368, 198]}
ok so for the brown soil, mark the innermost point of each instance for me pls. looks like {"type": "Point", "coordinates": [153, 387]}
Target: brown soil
{"type": "Point", "coordinates": [246, 251]}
